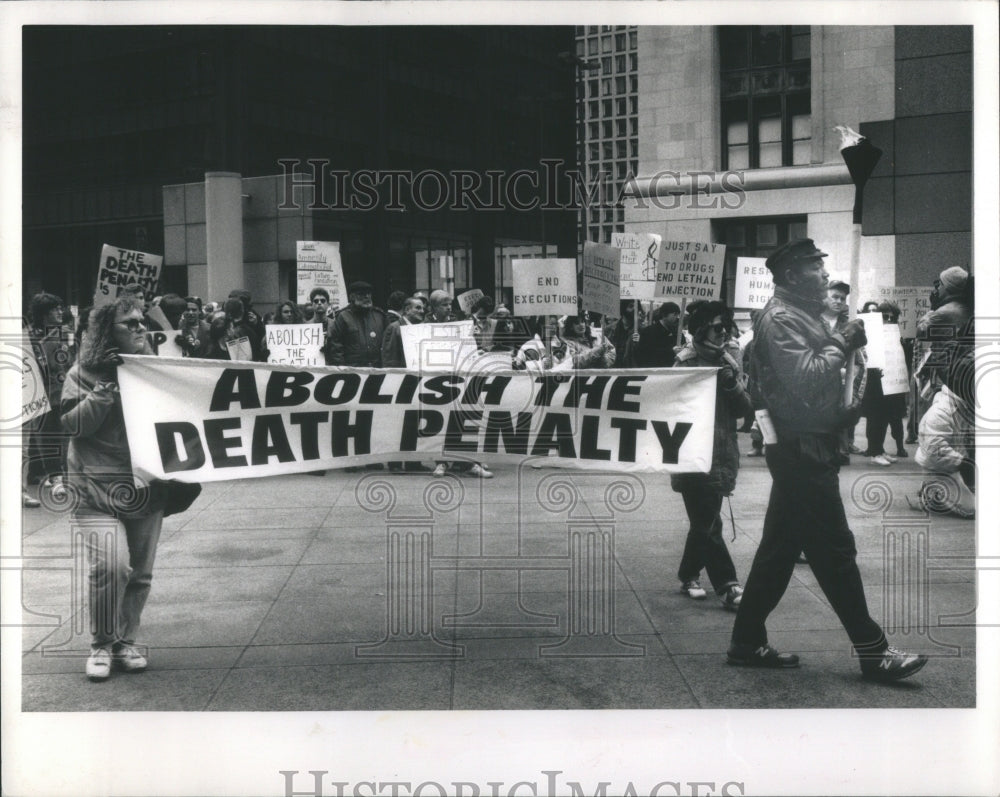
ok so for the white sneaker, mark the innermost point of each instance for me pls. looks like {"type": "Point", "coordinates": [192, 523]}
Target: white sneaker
{"type": "Point", "coordinates": [882, 460]}
{"type": "Point", "coordinates": [99, 664]}
{"type": "Point", "coordinates": [693, 589]}
{"type": "Point", "coordinates": [129, 659]}
{"type": "Point", "coordinates": [480, 471]}
{"type": "Point", "coordinates": [892, 460]}
{"type": "Point", "coordinates": [439, 470]}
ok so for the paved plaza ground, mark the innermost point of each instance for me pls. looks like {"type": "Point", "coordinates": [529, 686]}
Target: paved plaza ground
{"type": "Point", "coordinates": [539, 589]}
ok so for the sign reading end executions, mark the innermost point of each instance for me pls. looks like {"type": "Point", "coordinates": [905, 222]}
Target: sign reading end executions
{"type": "Point", "coordinates": [124, 268]}
{"type": "Point", "coordinates": [754, 285]}
{"type": "Point", "coordinates": [690, 270]}
{"type": "Point", "coordinates": [545, 286]}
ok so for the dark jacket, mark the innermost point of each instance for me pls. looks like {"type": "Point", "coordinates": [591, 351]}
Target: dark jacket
{"type": "Point", "coordinates": [731, 405]}
{"type": "Point", "coordinates": [355, 338]}
{"type": "Point", "coordinates": [655, 348]}
{"type": "Point", "coordinates": [392, 345]}
{"type": "Point", "coordinates": [795, 366]}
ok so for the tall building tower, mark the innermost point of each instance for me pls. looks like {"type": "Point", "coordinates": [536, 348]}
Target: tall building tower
{"type": "Point", "coordinates": [607, 130]}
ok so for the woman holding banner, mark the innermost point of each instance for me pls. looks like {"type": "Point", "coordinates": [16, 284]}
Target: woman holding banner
{"type": "Point", "coordinates": [576, 348]}
{"type": "Point", "coordinates": [121, 521]}
{"type": "Point", "coordinates": [711, 347]}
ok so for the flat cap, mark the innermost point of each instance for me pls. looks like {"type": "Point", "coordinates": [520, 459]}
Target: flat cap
{"type": "Point", "coordinates": [359, 287]}
{"type": "Point", "coordinates": [799, 250]}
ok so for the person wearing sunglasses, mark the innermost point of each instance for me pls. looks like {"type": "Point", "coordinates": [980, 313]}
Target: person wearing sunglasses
{"type": "Point", "coordinates": [705, 548]}
{"type": "Point", "coordinates": [120, 520]}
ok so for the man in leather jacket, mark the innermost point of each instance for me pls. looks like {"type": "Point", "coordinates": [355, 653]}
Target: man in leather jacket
{"type": "Point", "coordinates": [796, 376]}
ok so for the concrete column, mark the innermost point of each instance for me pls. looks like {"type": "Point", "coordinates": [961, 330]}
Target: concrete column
{"type": "Point", "coordinates": [224, 232]}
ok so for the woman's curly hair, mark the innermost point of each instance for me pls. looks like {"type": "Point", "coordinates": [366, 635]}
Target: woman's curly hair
{"type": "Point", "coordinates": [100, 330]}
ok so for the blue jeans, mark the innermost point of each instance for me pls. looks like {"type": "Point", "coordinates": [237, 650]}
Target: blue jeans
{"type": "Point", "coordinates": [120, 553]}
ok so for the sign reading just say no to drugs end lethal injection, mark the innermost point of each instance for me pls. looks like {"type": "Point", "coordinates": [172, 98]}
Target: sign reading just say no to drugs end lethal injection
{"type": "Point", "coordinates": [689, 270]}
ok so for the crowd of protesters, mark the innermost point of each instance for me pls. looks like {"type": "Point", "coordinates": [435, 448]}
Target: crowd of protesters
{"type": "Point", "coordinates": [791, 362]}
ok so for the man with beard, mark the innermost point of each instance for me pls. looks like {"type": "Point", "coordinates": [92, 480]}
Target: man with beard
{"type": "Point", "coordinates": [796, 376]}
{"type": "Point", "coordinates": [356, 333]}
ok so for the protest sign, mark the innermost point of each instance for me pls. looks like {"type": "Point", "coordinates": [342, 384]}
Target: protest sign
{"type": "Point", "coordinates": [912, 301]}
{"type": "Point", "coordinates": [545, 286]}
{"type": "Point", "coordinates": [601, 278]}
{"type": "Point", "coordinates": [163, 343]}
{"type": "Point", "coordinates": [437, 347]}
{"type": "Point", "coordinates": [240, 349]}
{"type": "Point", "coordinates": [875, 347]}
{"type": "Point", "coordinates": [34, 399]}
{"type": "Point", "coordinates": [294, 344]}
{"type": "Point", "coordinates": [639, 253]}
{"type": "Point", "coordinates": [155, 313]}
{"type": "Point", "coordinates": [120, 268]}
{"type": "Point", "coordinates": [754, 284]}
{"type": "Point", "coordinates": [467, 300]}
{"type": "Point", "coordinates": [202, 421]}
{"type": "Point", "coordinates": [894, 375]}
{"type": "Point", "coordinates": [318, 266]}
{"type": "Point", "coordinates": [689, 270]}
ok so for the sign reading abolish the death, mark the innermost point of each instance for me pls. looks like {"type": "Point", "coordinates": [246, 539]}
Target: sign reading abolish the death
{"type": "Point", "coordinates": [121, 268]}
{"type": "Point", "coordinates": [200, 420]}
{"type": "Point", "coordinates": [690, 270]}
{"type": "Point", "coordinates": [754, 284]}
{"type": "Point", "coordinates": [294, 344]}
{"type": "Point", "coordinates": [639, 253]}
{"type": "Point", "coordinates": [318, 266]}
{"type": "Point", "coordinates": [545, 286]}
{"type": "Point", "coordinates": [601, 278]}
{"type": "Point", "coordinates": [912, 301]}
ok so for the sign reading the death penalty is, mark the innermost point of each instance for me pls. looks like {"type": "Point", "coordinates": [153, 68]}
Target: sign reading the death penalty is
{"type": "Point", "coordinates": [754, 285]}
{"type": "Point", "coordinates": [544, 286]}
{"type": "Point", "coordinates": [690, 270]}
{"type": "Point", "coordinates": [294, 344]}
{"type": "Point", "coordinates": [601, 278]}
{"type": "Point", "coordinates": [201, 420]}
{"type": "Point", "coordinates": [123, 268]}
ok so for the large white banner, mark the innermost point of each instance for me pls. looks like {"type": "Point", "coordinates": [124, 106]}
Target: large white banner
{"type": "Point", "coordinates": [544, 286]}
{"type": "Point", "coordinates": [121, 268]}
{"type": "Point", "coordinates": [754, 283]}
{"type": "Point", "coordinates": [601, 278]}
{"type": "Point", "coordinates": [639, 254]}
{"type": "Point", "coordinates": [318, 266]}
{"type": "Point", "coordinates": [208, 420]}
{"type": "Point", "coordinates": [689, 270]}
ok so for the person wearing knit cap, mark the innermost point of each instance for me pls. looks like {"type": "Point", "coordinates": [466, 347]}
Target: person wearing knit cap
{"type": "Point", "coordinates": [795, 372]}
{"type": "Point", "coordinates": [711, 347]}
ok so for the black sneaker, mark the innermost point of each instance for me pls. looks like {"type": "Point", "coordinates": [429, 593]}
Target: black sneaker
{"type": "Point", "coordinates": [891, 665]}
{"type": "Point", "coordinates": [763, 656]}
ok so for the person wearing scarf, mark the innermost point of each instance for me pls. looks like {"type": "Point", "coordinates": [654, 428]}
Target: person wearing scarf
{"type": "Point", "coordinates": [712, 347]}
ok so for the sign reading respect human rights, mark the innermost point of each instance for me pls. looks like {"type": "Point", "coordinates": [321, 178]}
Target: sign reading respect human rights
{"type": "Point", "coordinates": [202, 420]}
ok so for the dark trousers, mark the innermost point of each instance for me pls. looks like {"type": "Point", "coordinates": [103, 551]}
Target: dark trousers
{"type": "Point", "coordinates": [805, 513]}
{"type": "Point", "coordinates": [876, 429]}
{"type": "Point", "coordinates": [705, 547]}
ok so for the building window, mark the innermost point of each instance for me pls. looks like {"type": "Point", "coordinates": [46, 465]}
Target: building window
{"type": "Point", "coordinates": [765, 95]}
{"type": "Point", "coordinates": [754, 237]}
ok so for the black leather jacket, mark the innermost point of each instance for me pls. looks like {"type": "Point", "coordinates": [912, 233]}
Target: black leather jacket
{"type": "Point", "coordinates": [796, 366]}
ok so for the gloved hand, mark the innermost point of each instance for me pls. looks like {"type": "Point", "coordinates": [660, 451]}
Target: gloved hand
{"type": "Point", "coordinates": [849, 416]}
{"type": "Point", "coordinates": [854, 334]}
